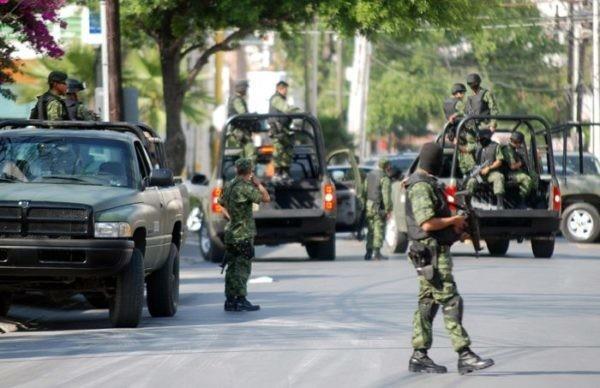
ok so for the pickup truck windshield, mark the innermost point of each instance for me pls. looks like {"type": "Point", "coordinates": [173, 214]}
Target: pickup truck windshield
{"type": "Point", "coordinates": [60, 159]}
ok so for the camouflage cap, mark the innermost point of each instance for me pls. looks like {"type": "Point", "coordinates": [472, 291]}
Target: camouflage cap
{"type": "Point", "coordinates": [282, 83]}
{"type": "Point", "coordinates": [241, 85]}
{"type": "Point", "coordinates": [383, 162]}
{"type": "Point", "coordinates": [57, 76]}
{"type": "Point", "coordinates": [517, 136]}
{"type": "Point", "coordinates": [243, 164]}
{"type": "Point", "coordinates": [458, 88]}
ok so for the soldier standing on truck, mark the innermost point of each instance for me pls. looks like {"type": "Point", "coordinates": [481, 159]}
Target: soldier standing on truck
{"type": "Point", "coordinates": [454, 109]}
{"type": "Point", "coordinates": [378, 191]}
{"type": "Point", "coordinates": [432, 229]}
{"type": "Point", "coordinates": [283, 138]}
{"type": "Point", "coordinates": [481, 102]}
{"type": "Point", "coordinates": [518, 165]}
{"type": "Point", "coordinates": [454, 106]}
{"type": "Point", "coordinates": [240, 137]}
{"type": "Point", "coordinates": [50, 105]}
{"type": "Point", "coordinates": [75, 108]}
{"type": "Point", "coordinates": [489, 154]}
{"type": "Point", "coordinates": [237, 199]}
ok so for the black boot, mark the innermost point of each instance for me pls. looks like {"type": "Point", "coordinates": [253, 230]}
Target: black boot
{"type": "Point", "coordinates": [231, 304]}
{"type": "Point", "coordinates": [500, 201]}
{"type": "Point", "coordinates": [469, 362]}
{"type": "Point", "coordinates": [420, 362]}
{"type": "Point", "coordinates": [378, 255]}
{"type": "Point", "coordinates": [244, 304]}
{"type": "Point", "coordinates": [369, 254]}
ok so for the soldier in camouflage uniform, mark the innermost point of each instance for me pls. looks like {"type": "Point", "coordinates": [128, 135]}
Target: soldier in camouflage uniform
{"type": "Point", "coordinates": [50, 105]}
{"type": "Point", "coordinates": [240, 137]}
{"type": "Point", "coordinates": [378, 194]}
{"type": "Point", "coordinates": [489, 151]}
{"type": "Point", "coordinates": [432, 229]}
{"type": "Point", "coordinates": [75, 108]}
{"type": "Point", "coordinates": [454, 109]}
{"type": "Point", "coordinates": [518, 167]}
{"type": "Point", "coordinates": [237, 199]}
{"type": "Point", "coordinates": [283, 138]}
{"type": "Point", "coordinates": [482, 101]}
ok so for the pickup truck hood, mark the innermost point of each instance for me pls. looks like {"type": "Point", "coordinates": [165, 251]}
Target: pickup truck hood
{"type": "Point", "coordinates": [99, 197]}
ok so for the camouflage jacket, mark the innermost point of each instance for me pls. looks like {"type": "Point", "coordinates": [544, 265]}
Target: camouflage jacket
{"type": "Point", "coordinates": [56, 110]}
{"type": "Point", "coordinates": [237, 197]}
{"type": "Point", "coordinates": [423, 200]}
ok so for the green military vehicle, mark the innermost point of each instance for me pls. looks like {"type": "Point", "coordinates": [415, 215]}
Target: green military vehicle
{"type": "Point", "coordinates": [90, 208]}
{"type": "Point", "coordinates": [309, 209]}
{"type": "Point", "coordinates": [579, 177]}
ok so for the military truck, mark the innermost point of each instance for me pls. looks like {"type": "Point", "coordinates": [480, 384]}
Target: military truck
{"type": "Point", "coordinates": [539, 222]}
{"type": "Point", "coordinates": [579, 177]}
{"type": "Point", "coordinates": [90, 207]}
{"type": "Point", "coordinates": [309, 209]}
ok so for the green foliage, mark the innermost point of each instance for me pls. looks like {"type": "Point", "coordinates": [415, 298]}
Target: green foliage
{"type": "Point", "coordinates": [335, 136]}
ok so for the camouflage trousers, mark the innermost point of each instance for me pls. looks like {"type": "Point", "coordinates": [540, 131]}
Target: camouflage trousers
{"type": "Point", "coordinates": [439, 291]}
{"type": "Point", "coordinates": [495, 178]}
{"type": "Point", "coordinates": [248, 149]}
{"type": "Point", "coordinates": [524, 182]}
{"type": "Point", "coordinates": [238, 256]}
{"type": "Point", "coordinates": [375, 226]}
{"type": "Point", "coordinates": [283, 152]}
{"type": "Point", "coordinates": [466, 162]}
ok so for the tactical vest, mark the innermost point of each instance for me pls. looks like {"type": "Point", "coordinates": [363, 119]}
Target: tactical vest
{"type": "Point", "coordinates": [40, 110]}
{"type": "Point", "coordinates": [72, 109]}
{"type": "Point", "coordinates": [450, 107]}
{"type": "Point", "coordinates": [487, 153]}
{"type": "Point", "coordinates": [521, 156]}
{"type": "Point", "coordinates": [230, 107]}
{"type": "Point", "coordinates": [414, 230]}
{"type": "Point", "coordinates": [374, 187]}
{"type": "Point", "coordinates": [284, 122]}
{"type": "Point", "coordinates": [476, 104]}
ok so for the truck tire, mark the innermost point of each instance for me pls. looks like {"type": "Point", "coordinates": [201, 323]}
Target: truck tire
{"type": "Point", "coordinates": [126, 305]}
{"type": "Point", "coordinates": [162, 287]}
{"type": "Point", "coordinates": [208, 249]}
{"type": "Point", "coordinates": [5, 301]}
{"type": "Point", "coordinates": [97, 299]}
{"type": "Point", "coordinates": [497, 247]}
{"type": "Point", "coordinates": [580, 223]}
{"type": "Point", "coordinates": [542, 248]}
{"type": "Point", "coordinates": [321, 250]}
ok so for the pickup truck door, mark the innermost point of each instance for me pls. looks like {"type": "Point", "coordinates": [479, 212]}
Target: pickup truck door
{"type": "Point", "coordinates": [348, 185]}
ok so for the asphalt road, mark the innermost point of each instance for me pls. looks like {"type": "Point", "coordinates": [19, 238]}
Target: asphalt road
{"type": "Point", "coordinates": [328, 324]}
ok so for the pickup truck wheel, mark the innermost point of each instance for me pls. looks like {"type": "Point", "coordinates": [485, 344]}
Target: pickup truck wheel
{"type": "Point", "coordinates": [542, 247]}
{"type": "Point", "coordinates": [128, 301]}
{"type": "Point", "coordinates": [162, 287]}
{"type": "Point", "coordinates": [208, 249]}
{"type": "Point", "coordinates": [580, 223]}
{"type": "Point", "coordinates": [96, 299]}
{"type": "Point", "coordinates": [321, 250]}
{"type": "Point", "coordinates": [5, 301]}
{"type": "Point", "coordinates": [497, 247]}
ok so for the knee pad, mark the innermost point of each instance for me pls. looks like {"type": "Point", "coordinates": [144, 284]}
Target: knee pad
{"type": "Point", "coordinates": [454, 308]}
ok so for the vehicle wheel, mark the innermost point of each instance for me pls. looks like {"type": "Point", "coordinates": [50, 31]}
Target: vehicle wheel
{"type": "Point", "coordinates": [321, 250]}
{"type": "Point", "coordinates": [97, 299]}
{"type": "Point", "coordinates": [580, 223]}
{"type": "Point", "coordinates": [497, 247]}
{"type": "Point", "coordinates": [128, 301]}
{"type": "Point", "coordinates": [5, 301]}
{"type": "Point", "coordinates": [542, 248]}
{"type": "Point", "coordinates": [396, 241]}
{"type": "Point", "coordinates": [162, 287]}
{"type": "Point", "coordinates": [208, 249]}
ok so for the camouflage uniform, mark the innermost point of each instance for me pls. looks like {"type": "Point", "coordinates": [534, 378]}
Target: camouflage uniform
{"type": "Point", "coordinates": [466, 158]}
{"type": "Point", "coordinates": [441, 289]}
{"type": "Point", "coordinates": [238, 197]}
{"type": "Point", "coordinates": [494, 177]}
{"type": "Point", "coordinates": [520, 176]}
{"type": "Point", "coordinates": [376, 210]}
{"type": "Point", "coordinates": [55, 110]}
{"type": "Point", "coordinates": [283, 143]}
{"type": "Point", "coordinates": [240, 137]}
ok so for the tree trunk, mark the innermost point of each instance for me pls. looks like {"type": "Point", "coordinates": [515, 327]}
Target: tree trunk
{"type": "Point", "coordinates": [170, 59]}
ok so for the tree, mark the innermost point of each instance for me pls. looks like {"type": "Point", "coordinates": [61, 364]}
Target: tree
{"type": "Point", "coordinates": [181, 27]}
{"type": "Point", "coordinates": [26, 22]}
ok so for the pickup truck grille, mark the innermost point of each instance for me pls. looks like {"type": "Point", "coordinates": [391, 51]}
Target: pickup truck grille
{"type": "Point", "coordinates": [24, 219]}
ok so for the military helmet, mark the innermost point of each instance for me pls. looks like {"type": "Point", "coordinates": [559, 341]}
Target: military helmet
{"type": "Point", "coordinates": [241, 86]}
{"type": "Point", "coordinates": [74, 86]}
{"type": "Point", "coordinates": [517, 136]}
{"type": "Point", "coordinates": [383, 162]}
{"type": "Point", "coordinates": [57, 76]}
{"type": "Point", "coordinates": [484, 134]}
{"type": "Point", "coordinates": [473, 79]}
{"type": "Point", "coordinates": [282, 83]}
{"type": "Point", "coordinates": [458, 88]}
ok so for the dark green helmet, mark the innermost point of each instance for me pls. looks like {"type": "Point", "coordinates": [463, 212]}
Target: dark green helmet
{"type": "Point", "coordinates": [74, 86]}
{"type": "Point", "coordinates": [57, 76]}
{"type": "Point", "coordinates": [473, 79]}
{"type": "Point", "coordinates": [241, 86]}
{"type": "Point", "coordinates": [517, 137]}
{"type": "Point", "coordinates": [458, 88]}
{"type": "Point", "coordinates": [484, 134]}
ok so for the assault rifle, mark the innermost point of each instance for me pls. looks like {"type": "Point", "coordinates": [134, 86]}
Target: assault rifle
{"type": "Point", "coordinates": [476, 171]}
{"type": "Point", "coordinates": [472, 220]}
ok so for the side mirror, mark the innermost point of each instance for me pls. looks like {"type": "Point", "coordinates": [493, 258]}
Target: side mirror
{"type": "Point", "coordinates": [199, 179]}
{"type": "Point", "coordinates": [161, 177]}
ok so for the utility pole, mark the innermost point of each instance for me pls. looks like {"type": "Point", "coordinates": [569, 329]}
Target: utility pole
{"type": "Point", "coordinates": [113, 36]}
{"type": "Point", "coordinates": [339, 82]}
{"type": "Point", "coordinates": [219, 70]}
{"type": "Point", "coordinates": [359, 91]}
{"type": "Point", "coordinates": [104, 63]}
{"type": "Point", "coordinates": [595, 136]}
{"type": "Point", "coordinates": [314, 68]}
{"type": "Point", "coordinates": [574, 68]}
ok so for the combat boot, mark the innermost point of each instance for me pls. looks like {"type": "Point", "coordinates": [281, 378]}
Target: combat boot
{"type": "Point", "coordinates": [244, 304]}
{"type": "Point", "coordinates": [469, 362]}
{"type": "Point", "coordinates": [369, 254]}
{"type": "Point", "coordinates": [378, 255]}
{"type": "Point", "coordinates": [231, 304]}
{"type": "Point", "coordinates": [500, 202]}
{"type": "Point", "coordinates": [421, 363]}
